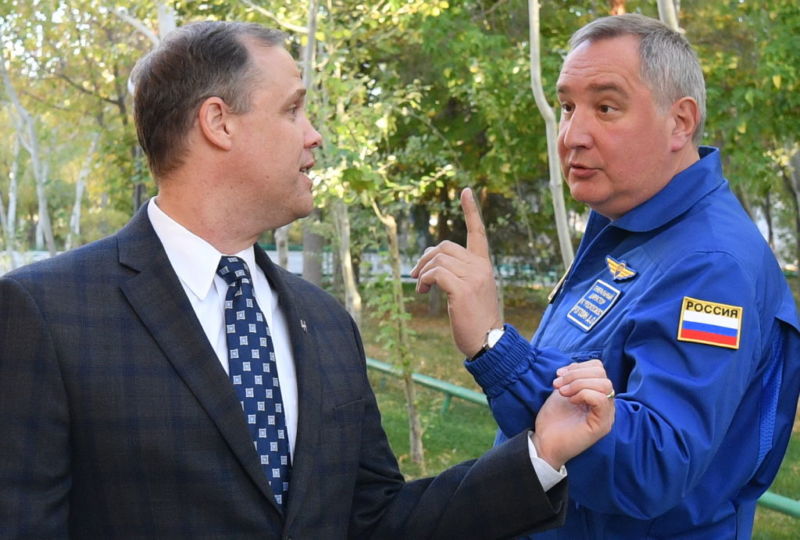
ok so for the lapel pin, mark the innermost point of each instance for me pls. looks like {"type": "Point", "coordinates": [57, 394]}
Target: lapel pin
{"type": "Point", "coordinates": [620, 271]}
{"type": "Point", "coordinates": [303, 325]}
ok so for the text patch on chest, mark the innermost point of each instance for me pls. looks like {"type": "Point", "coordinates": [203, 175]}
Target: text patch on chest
{"type": "Point", "coordinates": [595, 303]}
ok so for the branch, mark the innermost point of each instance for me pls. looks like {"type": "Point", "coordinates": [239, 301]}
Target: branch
{"type": "Point", "coordinates": [270, 15]}
{"type": "Point", "coordinates": [81, 88]}
{"type": "Point", "coordinates": [483, 15]}
{"type": "Point", "coordinates": [425, 120]}
{"type": "Point", "coordinates": [136, 23]}
{"type": "Point", "coordinates": [386, 220]}
{"type": "Point", "coordinates": [50, 104]}
{"type": "Point", "coordinates": [22, 119]}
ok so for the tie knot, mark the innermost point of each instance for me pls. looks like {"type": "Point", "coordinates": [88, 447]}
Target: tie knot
{"type": "Point", "coordinates": [233, 270]}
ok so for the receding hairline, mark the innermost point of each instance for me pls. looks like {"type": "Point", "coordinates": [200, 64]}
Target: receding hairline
{"type": "Point", "coordinates": [162, 132]}
{"type": "Point", "coordinates": [605, 84]}
{"type": "Point", "coordinates": [263, 73]}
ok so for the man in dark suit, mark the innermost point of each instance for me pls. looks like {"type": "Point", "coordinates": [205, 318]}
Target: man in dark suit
{"type": "Point", "coordinates": [125, 365]}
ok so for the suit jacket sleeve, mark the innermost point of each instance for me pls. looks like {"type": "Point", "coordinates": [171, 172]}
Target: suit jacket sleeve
{"type": "Point", "coordinates": [495, 496]}
{"type": "Point", "coordinates": [34, 457]}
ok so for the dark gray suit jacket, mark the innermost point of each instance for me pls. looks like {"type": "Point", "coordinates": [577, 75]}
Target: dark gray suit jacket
{"type": "Point", "coordinates": [118, 421]}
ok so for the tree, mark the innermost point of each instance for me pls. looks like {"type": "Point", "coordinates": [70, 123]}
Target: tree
{"type": "Point", "coordinates": [29, 138]}
{"type": "Point", "coordinates": [8, 218]}
{"type": "Point", "coordinates": [312, 241]}
{"type": "Point", "coordinates": [668, 14]}
{"type": "Point", "coordinates": [73, 237]}
{"type": "Point", "coordinates": [556, 189]}
{"type": "Point", "coordinates": [748, 54]}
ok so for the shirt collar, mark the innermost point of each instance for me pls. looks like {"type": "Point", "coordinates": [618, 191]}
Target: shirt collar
{"type": "Point", "coordinates": [194, 260]}
{"type": "Point", "coordinates": [681, 193]}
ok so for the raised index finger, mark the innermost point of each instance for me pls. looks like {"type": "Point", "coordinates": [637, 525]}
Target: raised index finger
{"type": "Point", "coordinates": [477, 243]}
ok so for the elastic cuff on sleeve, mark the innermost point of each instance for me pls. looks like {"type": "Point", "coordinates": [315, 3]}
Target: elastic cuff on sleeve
{"type": "Point", "coordinates": [505, 360]}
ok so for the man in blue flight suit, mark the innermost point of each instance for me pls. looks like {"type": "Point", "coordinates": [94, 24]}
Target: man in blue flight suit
{"type": "Point", "coordinates": [673, 292]}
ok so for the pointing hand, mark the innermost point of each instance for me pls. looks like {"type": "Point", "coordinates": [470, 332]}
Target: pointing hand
{"type": "Point", "coordinates": [466, 275]}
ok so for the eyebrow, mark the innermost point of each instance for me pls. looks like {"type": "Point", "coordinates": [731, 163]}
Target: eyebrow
{"type": "Point", "coordinates": [598, 88]}
{"type": "Point", "coordinates": [294, 96]}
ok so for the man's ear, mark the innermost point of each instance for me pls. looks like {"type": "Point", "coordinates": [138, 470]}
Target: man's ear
{"type": "Point", "coordinates": [214, 119]}
{"type": "Point", "coordinates": [685, 115]}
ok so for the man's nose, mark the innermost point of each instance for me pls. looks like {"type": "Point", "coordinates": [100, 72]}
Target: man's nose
{"type": "Point", "coordinates": [313, 137]}
{"type": "Point", "coordinates": [576, 131]}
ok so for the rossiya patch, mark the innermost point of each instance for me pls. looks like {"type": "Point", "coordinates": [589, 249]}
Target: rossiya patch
{"type": "Point", "coordinates": [710, 323]}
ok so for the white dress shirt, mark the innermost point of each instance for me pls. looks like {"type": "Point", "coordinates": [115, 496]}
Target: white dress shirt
{"type": "Point", "coordinates": [195, 262]}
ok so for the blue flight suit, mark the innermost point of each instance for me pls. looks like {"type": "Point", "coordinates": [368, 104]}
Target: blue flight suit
{"type": "Point", "coordinates": [685, 304]}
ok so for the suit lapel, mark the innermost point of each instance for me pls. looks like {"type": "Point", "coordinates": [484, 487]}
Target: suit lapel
{"type": "Point", "coordinates": [158, 298]}
{"type": "Point", "coordinates": [305, 350]}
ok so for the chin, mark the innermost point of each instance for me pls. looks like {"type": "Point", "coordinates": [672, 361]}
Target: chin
{"type": "Point", "coordinates": [580, 195]}
{"type": "Point", "coordinates": [306, 210]}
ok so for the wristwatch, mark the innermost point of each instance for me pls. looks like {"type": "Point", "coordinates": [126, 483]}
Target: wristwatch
{"type": "Point", "coordinates": [491, 339]}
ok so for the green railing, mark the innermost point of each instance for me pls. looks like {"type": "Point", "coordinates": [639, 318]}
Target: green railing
{"type": "Point", "coordinates": [770, 500]}
{"type": "Point", "coordinates": [779, 503]}
{"type": "Point", "coordinates": [449, 389]}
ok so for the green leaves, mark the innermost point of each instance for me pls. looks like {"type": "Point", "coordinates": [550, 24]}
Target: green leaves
{"type": "Point", "coordinates": [416, 99]}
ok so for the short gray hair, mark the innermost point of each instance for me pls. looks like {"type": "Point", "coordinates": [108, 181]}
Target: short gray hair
{"type": "Point", "coordinates": [191, 64]}
{"type": "Point", "coordinates": [669, 65]}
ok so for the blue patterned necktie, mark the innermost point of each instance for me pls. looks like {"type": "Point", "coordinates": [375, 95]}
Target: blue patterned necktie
{"type": "Point", "coordinates": [254, 374]}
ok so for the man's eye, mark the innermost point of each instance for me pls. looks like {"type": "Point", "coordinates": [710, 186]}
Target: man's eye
{"type": "Point", "coordinates": [566, 108]}
{"type": "Point", "coordinates": [605, 109]}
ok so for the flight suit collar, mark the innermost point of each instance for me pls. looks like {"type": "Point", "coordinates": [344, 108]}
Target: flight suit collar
{"type": "Point", "coordinates": [681, 193]}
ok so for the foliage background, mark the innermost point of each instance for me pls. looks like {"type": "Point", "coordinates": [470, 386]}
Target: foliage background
{"type": "Point", "coordinates": [415, 99]}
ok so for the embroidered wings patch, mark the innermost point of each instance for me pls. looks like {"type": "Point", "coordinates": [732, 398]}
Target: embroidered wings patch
{"type": "Point", "coordinates": [619, 270]}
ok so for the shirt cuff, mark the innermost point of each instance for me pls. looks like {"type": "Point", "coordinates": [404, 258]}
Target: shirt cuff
{"type": "Point", "coordinates": [547, 475]}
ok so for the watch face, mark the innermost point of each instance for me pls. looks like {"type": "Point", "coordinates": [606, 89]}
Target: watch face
{"type": "Point", "coordinates": [494, 336]}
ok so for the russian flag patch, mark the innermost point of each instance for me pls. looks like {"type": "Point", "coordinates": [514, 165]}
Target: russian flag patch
{"type": "Point", "coordinates": [710, 323]}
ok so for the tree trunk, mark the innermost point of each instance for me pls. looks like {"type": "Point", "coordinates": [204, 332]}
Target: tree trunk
{"type": "Point", "coordinates": [341, 223]}
{"type": "Point", "coordinates": [40, 172]}
{"type": "Point", "coordinates": [10, 217]}
{"type": "Point", "coordinates": [668, 14]}
{"type": "Point", "coordinates": [26, 130]}
{"type": "Point", "coordinates": [436, 299]}
{"type": "Point", "coordinates": [791, 177]}
{"type": "Point", "coordinates": [312, 242]}
{"type": "Point", "coordinates": [414, 423]}
{"type": "Point", "coordinates": [403, 349]}
{"type": "Point", "coordinates": [312, 249]}
{"type": "Point", "coordinates": [166, 19]}
{"type": "Point", "coordinates": [767, 207]}
{"type": "Point", "coordinates": [6, 237]}
{"type": "Point", "coordinates": [282, 245]}
{"type": "Point", "coordinates": [74, 235]}
{"type": "Point", "coordinates": [559, 207]}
